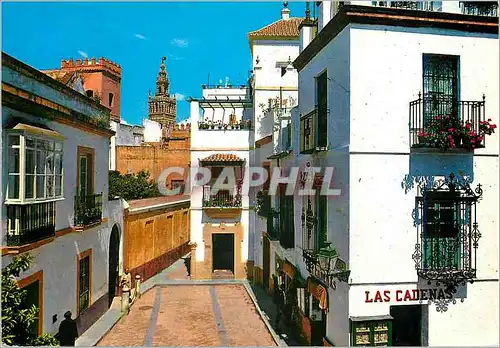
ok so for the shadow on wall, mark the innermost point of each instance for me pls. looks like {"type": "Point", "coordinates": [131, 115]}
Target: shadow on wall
{"type": "Point", "coordinates": [425, 167]}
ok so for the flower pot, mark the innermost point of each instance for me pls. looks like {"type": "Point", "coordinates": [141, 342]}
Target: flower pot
{"type": "Point", "coordinates": [212, 127]}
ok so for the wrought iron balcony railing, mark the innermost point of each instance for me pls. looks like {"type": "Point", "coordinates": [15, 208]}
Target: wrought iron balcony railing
{"type": "Point", "coordinates": [479, 8]}
{"type": "Point", "coordinates": [222, 199]}
{"type": "Point", "coordinates": [312, 138]}
{"type": "Point", "coordinates": [409, 5]}
{"type": "Point", "coordinates": [437, 122]}
{"type": "Point", "coordinates": [88, 209]}
{"type": "Point", "coordinates": [30, 223]}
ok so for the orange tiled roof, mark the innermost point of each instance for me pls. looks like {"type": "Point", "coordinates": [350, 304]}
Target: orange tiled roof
{"type": "Point", "coordinates": [281, 28]}
{"type": "Point", "coordinates": [61, 76]}
{"type": "Point", "coordinates": [222, 157]}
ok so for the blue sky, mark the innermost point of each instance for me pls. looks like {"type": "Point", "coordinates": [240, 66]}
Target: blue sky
{"type": "Point", "coordinates": [198, 38]}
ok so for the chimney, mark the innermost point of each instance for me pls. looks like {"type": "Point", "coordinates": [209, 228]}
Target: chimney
{"type": "Point", "coordinates": [306, 29]}
{"type": "Point", "coordinates": [325, 14]}
{"type": "Point", "coordinates": [285, 12]}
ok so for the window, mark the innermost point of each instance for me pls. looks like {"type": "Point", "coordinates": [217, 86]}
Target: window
{"type": "Point", "coordinates": [322, 104]}
{"type": "Point", "coordinates": [84, 281]}
{"type": "Point", "coordinates": [89, 93]}
{"type": "Point", "coordinates": [286, 219]}
{"type": "Point", "coordinates": [110, 99]}
{"type": "Point", "coordinates": [441, 241]}
{"type": "Point", "coordinates": [85, 171]}
{"type": "Point", "coordinates": [322, 218]}
{"type": "Point", "coordinates": [440, 85]}
{"type": "Point", "coordinates": [480, 8]}
{"type": "Point", "coordinates": [33, 285]}
{"type": "Point", "coordinates": [372, 333]}
{"type": "Point", "coordinates": [34, 168]}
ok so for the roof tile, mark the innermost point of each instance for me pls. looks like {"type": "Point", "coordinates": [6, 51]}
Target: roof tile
{"type": "Point", "coordinates": [222, 157]}
{"type": "Point", "coordinates": [281, 28]}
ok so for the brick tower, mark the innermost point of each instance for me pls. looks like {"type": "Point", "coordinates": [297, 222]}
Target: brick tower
{"type": "Point", "coordinates": [101, 80]}
{"type": "Point", "coordinates": [162, 107]}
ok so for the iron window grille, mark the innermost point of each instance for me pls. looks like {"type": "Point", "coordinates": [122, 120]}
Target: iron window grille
{"type": "Point", "coordinates": [84, 290]}
{"type": "Point", "coordinates": [448, 234]}
{"type": "Point", "coordinates": [221, 199]}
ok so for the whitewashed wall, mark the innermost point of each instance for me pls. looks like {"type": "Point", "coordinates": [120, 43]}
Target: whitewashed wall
{"type": "Point", "coordinates": [371, 224]}
{"type": "Point", "coordinates": [152, 131]}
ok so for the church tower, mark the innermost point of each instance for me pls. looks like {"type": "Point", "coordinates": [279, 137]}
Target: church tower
{"type": "Point", "coordinates": [162, 107]}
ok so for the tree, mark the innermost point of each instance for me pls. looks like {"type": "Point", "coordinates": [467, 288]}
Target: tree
{"type": "Point", "coordinates": [130, 186]}
{"type": "Point", "coordinates": [17, 316]}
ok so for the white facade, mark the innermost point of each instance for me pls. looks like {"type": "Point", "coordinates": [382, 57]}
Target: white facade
{"type": "Point", "coordinates": [56, 254]}
{"type": "Point", "coordinates": [274, 89]}
{"type": "Point", "coordinates": [125, 134]}
{"type": "Point", "coordinates": [214, 109]}
{"type": "Point", "coordinates": [373, 73]}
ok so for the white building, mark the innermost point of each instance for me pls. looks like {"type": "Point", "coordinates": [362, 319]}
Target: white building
{"type": "Point", "coordinates": [274, 94]}
{"type": "Point", "coordinates": [220, 138]}
{"type": "Point", "coordinates": [55, 196]}
{"type": "Point", "coordinates": [125, 134]}
{"type": "Point", "coordinates": [369, 81]}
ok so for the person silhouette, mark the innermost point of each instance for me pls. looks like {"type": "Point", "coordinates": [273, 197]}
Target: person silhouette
{"type": "Point", "coordinates": [68, 331]}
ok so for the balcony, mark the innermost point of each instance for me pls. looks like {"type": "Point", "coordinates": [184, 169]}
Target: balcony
{"type": "Point", "coordinates": [410, 5]}
{"type": "Point", "coordinates": [479, 8]}
{"type": "Point", "coordinates": [30, 223]}
{"type": "Point", "coordinates": [312, 138]}
{"type": "Point", "coordinates": [444, 124]}
{"type": "Point", "coordinates": [222, 204]}
{"type": "Point", "coordinates": [88, 210]}
{"type": "Point", "coordinates": [219, 126]}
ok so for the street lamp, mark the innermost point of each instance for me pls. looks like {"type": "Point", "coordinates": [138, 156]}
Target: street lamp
{"type": "Point", "coordinates": [331, 264]}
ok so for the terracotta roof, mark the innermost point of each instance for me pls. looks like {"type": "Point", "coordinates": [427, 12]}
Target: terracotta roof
{"type": "Point", "coordinates": [222, 157]}
{"type": "Point", "coordinates": [281, 28]}
{"type": "Point", "coordinates": [149, 202]}
{"type": "Point", "coordinates": [61, 76]}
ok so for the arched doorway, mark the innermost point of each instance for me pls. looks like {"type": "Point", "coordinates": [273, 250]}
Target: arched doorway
{"type": "Point", "coordinates": [114, 254]}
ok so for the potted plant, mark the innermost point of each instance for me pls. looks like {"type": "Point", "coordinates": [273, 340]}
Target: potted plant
{"type": "Point", "coordinates": [212, 125]}
{"type": "Point", "coordinates": [225, 126]}
{"type": "Point", "coordinates": [219, 124]}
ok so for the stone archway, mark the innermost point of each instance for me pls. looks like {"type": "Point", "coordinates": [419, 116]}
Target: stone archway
{"type": "Point", "coordinates": [113, 264]}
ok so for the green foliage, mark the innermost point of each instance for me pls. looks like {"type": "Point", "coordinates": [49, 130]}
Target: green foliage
{"type": "Point", "coordinates": [130, 186]}
{"type": "Point", "coordinates": [17, 317]}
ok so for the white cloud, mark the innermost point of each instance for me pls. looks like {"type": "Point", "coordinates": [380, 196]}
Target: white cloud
{"type": "Point", "coordinates": [139, 36]}
{"type": "Point", "coordinates": [180, 42]}
{"type": "Point", "coordinates": [179, 96]}
{"type": "Point", "coordinates": [122, 121]}
{"type": "Point", "coordinates": [83, 54]}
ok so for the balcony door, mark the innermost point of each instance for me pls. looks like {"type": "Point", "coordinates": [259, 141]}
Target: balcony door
{"type": "Point", "coordinates": [85, 171]}
{"type": "Point", "coordinates": [441, 86]}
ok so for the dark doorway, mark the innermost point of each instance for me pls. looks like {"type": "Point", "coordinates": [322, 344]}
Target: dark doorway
{"type": "Point", "coordinates": [114, 252]}
{"type": "Point", "coordinates": [318, 324]}
{"type": "Point", "coordinates": [407, 325]}
{"type": "Point", "coordinates": [223, 251]}
{"type": "Point", "coordinates": [33, 299]}
{"type": "Point", "coordinates": [266, 260]}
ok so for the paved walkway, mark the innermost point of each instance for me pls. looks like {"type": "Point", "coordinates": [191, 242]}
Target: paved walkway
{"type": "Point", "coordinates": [176, 311]}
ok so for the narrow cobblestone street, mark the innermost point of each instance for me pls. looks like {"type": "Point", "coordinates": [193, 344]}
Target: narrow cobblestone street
{"type": "Point", "coordinates": [191, 315]}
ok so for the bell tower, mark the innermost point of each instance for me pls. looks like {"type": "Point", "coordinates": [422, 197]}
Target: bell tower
{"type": "Point", "coordinates": [162, 106]}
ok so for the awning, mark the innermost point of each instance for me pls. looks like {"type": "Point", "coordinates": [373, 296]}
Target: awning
{"type": "Point", "coordinates": [319, 292]}
{"type": "Point", "coordinates": [223, 103]}
{"type": "Point", "coordinates": [38, 131]}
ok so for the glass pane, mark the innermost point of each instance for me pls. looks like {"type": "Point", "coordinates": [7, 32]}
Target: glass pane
{"type": "Point", "coordinates": [29, 142]}
{"type": "Point", "coordinates": [40, 162]}
{"type": "Point", "coordinates": [30, 161]}
{"type": "Point", "coordinates": [29, 190]}
{"type": "Point", "coordinates": [58, 185]}
{"type": "Point", "coordinates": [13, 160]}
{"type": "Point", "coordinates": [13, 140]}
{"type": "Point", "coordinates": [50, 186]}
{"type": "Point", "coordinates": [58, 145]}
{"type": "Point", "coordinates": [49, 164]}
{"type": "Point", "coordinates": [58, 163]}
{"type": "Point", "coordinates": [83, 175]}
{"type": "Point", "coordinates": [50, 145]}
{"type": "Point", "coordinates": [40, 186]}
{"type": "Point", "coordinates": [13, 186]}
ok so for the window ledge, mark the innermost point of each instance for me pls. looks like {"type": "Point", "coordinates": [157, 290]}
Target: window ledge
{"type": "Point", "coordinates": [29, 202]}
{"type": "Point", "coordinates": [14, 250]}
{"type": "Point", "coordinates": [82, 228]}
